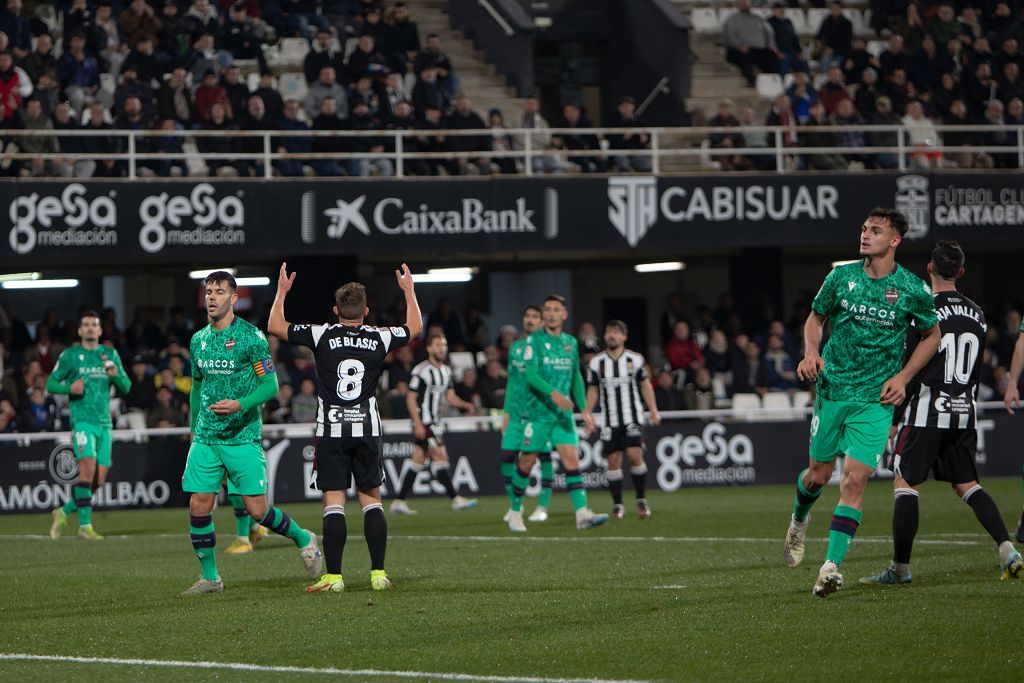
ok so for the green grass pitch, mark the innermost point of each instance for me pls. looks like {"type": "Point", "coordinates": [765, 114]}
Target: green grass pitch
{"type": "Point", "coordinates": [697, 592]}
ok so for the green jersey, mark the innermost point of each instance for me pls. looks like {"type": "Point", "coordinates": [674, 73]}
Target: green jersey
{"type": "Point", "coordinates": [516, 390]}
{"type": "Point", "coordinates": [557, 360]}
{"type": "Point", "coordinates": [229, 364]}
{"type": "Point", "coordinates": [78, 362]}
{"type": "Point", "coordinates": [869, 320]}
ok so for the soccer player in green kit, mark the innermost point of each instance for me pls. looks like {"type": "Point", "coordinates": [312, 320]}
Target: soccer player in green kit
{"type": "Point", "coordinates": [552, 363]}
{"type": "Point", "coordinates": [515, 413]}
{"type": "Point", "coordinates": [869, 305]}
{"type": "Point", "coordinates": [85, 372]}
{"type": "Point", "coordinates": [232, 375]}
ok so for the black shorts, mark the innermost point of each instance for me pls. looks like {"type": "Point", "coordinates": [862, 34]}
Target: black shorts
{"type": "Point", "coordinates": [433, 439]}
{"type": "Point", "coordinates": [615, 439]}
{"type": "Point", "coordinates": [337, 461]}
{"type": "Point", "coordinates": [947, 453]}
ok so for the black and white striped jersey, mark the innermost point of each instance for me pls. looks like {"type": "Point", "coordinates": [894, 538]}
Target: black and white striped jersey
{"type": "Point", "coordinates": [349, 362]}
{"type": "Point", "coordinates": [943, 394]}
{"type": "Point", "coordinates": [431, 384]}
{"type": "Point", "coordinates": [618, 381]}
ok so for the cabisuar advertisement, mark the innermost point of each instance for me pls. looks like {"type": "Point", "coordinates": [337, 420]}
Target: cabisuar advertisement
{"type": "Point", "coordinates": [49, 224]}
{"type": "Point", "coordinates": [680, 454]}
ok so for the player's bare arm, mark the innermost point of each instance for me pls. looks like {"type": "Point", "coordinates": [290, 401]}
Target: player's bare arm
{"type": "Point", "coordinates": [1012, 396]}
{"type": "Point", "coordinates": [454, 400]}
{"type": "Point", "coordinates": [591, 397]}
{"type": "Point", "coordinates": [413, 317]}
{"type": "Point", "coordinates": [412, 405]}
{"type": "Point", "coordinates": [894, 391]}
{"type": "Point", "coordinates": [277, 325]}
{"type": "Point", "coordinates": [647, 393]}
{"type": "Point", "coordinates": [812, 362]}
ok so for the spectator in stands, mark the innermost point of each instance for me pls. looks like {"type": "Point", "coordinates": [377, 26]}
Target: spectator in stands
{"type": "Point", "coordinates": [833, 91]}
{"type": "Point", "coordinates": [786, 40]}
{"type": "Point", "coordinates": [363, 91]}
{"type": "Point", "coordinates": [273, 103]}
{"type": "Point", "coordinates": [362, 119]}
{"type": "Point", "coordinates": [302, 17]}
{"type": "Point", "coordinates": [105, 39]}
{"type": "Point", "coordinates": [373, 25]}
{"type": "Point", "coordinates": [1004, 23]}
{"type": "Point", "coordinates": [131, 86]}
{"type": "Point", "coordinates": [78, 73]}
{"type": "Point", "coordinates": [682, 352]}
{"type": "Point", "coordinates": [750, 42]}
{"type": "Point", "coordinates": [921, 136]}
{"type": "Point", "coordinates": [717, 357]}
{"type": "Point", "coordinates": [431, 142]}
{"type": "Point", "coordinates": [174, 100]}
{"type": "Point", "coordinates": [217, 120]}
{"type": "Point", "coordinates": [292, 144]}
{"type": "Point", "coordinates": [400, 369]}
{"type": "Point", "coordinates": [403, 38]}
{"type": "Point", "coordinates": [142, 395]}
{"type": "Point", "coordinates": [754, 139]}
{"type": "Point", "coordinates": [34, 119]}
{"type": "Point", "coordinates": [402, 119]}
{"type": "Point", "coordinates": [540, 140]}
{"type": "Point", "coordinates": [205, 57]}
{"type": "Point", "coordinates": [1011, 86]}
{"type": "Point", "coordinates": [970, 25]}
{"type": "Point", "coordinates": [427, 91]}
{"type": "Point", "coordinates": [166, 412]}
{"type": "Point", "coordinates": [968, 157]}
{"type": "Point", "coordinates": [666, 395]}
{"type": "Point", "coordinates": [143, 59]}
{"type": "Point", "coordinates": [208, 92]}
{"type": "Point", "coordinates": [573, 117]}
{"type": "Point", "coordinates": [698, 393]}
{"type": "Point", "coordinates": [139, 20]}
{"type": "Point", "coordinates": [366, 60]}
{"type": "Point", "coordinates": [17, 28]}
{"type": "Point", "coordinates": [326, 86]}
{"type": "Point", "coordinates": [391, 92]}
{"type": "Point", "coordinates": [501, 141]}
{"type": "Point", "coordinates": [446, 318]}
{"type": "Point", "coordinates": [928, 64]}
{"type": "Point", "coordinates": [322, 53]}
{"type": "Point", "coordinates": [949, 90]}
{"type": "Point", "coordinates": [46, 91]}
{"type": "Point", "coordinates": [63, 119]}
{"type": "Point", "coordinates": [492, 386]}
{"type": "Point", "coordinates": [174, 38]}
{"type": "Point", "coordinates": [41, 60]}
{"type": "Point", "coordinates": [279, 408]}
{"type": "Point", "coordinates": [40, 411]}
{"type": "Point", "coordinates": [204, 18]}
{"type": "Point", "coordinates": [465, 118]}
{"type": "Point", "coordinates": [750, 373]}
{"type": "Point", "coordinates": [867, 94]}
{"type": "Point", "coordinates": [994, 116]}
{"type": "Point", "coordinates": [169, 143]}
{"type": "Point", "coordinates": [814, 138]}
{"type": "Point", "coordinates": [99, 144]}
{"type": "Point", "coordinates": [1014, 117]}
{"type": "Point", "coordinates": [134, 117]}
{"type": "Point", "coordinates": [625, 117]}
{"type": "Point", "coordinates": [779, 366]}
{"type": "Point", "coordinates": [858, 61]}
{"type": "Point", "coordinates": [243, 35]}
{"type": "Point", "coordinates": [732, 140]}
{"type": "Point", "coordinates": [781, 114]}
{"type": "Point", "coordinates": [897, 90]}
{"type": "Point", "coordinates": [237, 90]}
{"type": "Point", "coordinates": [801, 95]}
{"type": "Point", "coordinates": [834, 36]}
{"type": "Point", "coordinates": [846, 115]}
{"type": "Point", "coordinates": [432, 56]}
{"type": "Point", "coordinates": [893, 57]}
{"type": "Point", "coordinates": [328, 119]}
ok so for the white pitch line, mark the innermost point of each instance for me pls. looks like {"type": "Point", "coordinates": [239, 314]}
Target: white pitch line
{"type": "Point", "coordinates": [673, 587]}
{"type": "Point", "coordinates": [325, 671]}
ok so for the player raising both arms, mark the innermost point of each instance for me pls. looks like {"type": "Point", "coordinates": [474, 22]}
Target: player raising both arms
{"type": "Point", "coordinates": [938, 423]}
{"type": "Point", "coordinates": [232, 376]}
{"type": "Point", "coordinates": [553, 374]}
{"type": "Point", "coordinates": [869, 305]}
{"type": "Point", "coordinates": [85, 371]}
{"type": "Point", "coordinates": [349, 361]}
{"type": "Point", "coordinates": [1012, 400]}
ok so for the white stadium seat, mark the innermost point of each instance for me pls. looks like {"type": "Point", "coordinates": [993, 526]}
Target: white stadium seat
{"type": "Point", "coordinates": [802, 399]}
{"type": "Point", "coordinates": [293, 50]}
{"type": "Point", "coordinates": [778, 402]}
{"type": "Point", "coordinates": [815, 15]}
{"type": "Point", "coordinates": [876, 47]}
{"type": "Point", "coordinates": [292, 86]}
{"type": "Point", "coordinates": [705, 20]}
{"type": "Point", "coordinates": [799, 19]}
{"type": "Point", "coordinates": [748, 402]}
{"type": "Point", "coordinates": [724, 13]}
{"type": "Point", "coordinates": [460, 362]}
{"type": "Point", "coordinates": [769, 86]}
{"type": "Point", "coordinates": [860, 27]}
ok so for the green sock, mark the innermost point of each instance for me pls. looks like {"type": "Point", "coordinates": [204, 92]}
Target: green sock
{"type": "Point", "coordinates": [805, 499]}
{"type": "Point", "coordinates": [508, 466]}
{"type": "Point", "coordinates": [69, 507]}
{"type": "Point", "coordinates": [242, 519]}
{"type": "Point", "coordinates": [520, 480]}
{"type": "Point", "coordinates": [547, 480]}
{"type": "Point", "coordinates": [204, 541]}
{"type": "Point", "coordinates": [845, 521]}
{"type": "Point", "coordinates": [278, 521]}
{"type": "Point", "coordinates": [83, 501]}
{"type": "Point", "coordinates": [577, 494]}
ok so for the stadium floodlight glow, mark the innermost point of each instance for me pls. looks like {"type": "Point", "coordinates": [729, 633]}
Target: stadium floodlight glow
{"type": "Point", "coordinates": [460, 270]}
{"type": "Point", "coordinates": [836, 264]}
{"type": "Point", "coordinates": [39, 284]}
{"type": "Point", "coordinates": [11, 277]}
{"type": "Point", "coordinates": [662, 267]}
{"type": "Point", "coordinates": [201, 274]}
{"type": "Point", "coordinates": [433, 278]}
{"type": "Point", "coordinates": [252, 281]}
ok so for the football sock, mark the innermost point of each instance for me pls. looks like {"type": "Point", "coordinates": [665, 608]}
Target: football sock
{"type": "Point", "coordinates": [614, 478]}
{"type": "Point", "coordinates": [83, 501]}
{"type": "Point", "coordinates": [987, 512]}
{"type": "Point", "coordinates": [70, 507]}
{"type": "Point", "coordinates": [200, 529]}
{"type": "Point", "coordinates": [520, 480]}
{"type": "Point", "coordinates": [905, 519]}
{"type": "Point", "coordinates": [508, 464]}
{"type": "Point", "coordinates": [335, 535]}
{"type": "Point", "coordinates": [547, 479]}
{"type": "Point", "coordinates": [441, 471]}
{"type": "Point", "coordinates": [242, 520]}
{"type": "Point", "coordinates": [375, 529]}
{"type": "Point", "coordinates": [278, 521]}
{"type": "Point", "coordinates": [639, 474]}
{"type": "Point", "coordinates": [409, 478]}
{"type": "Point", "coordinates": [805, 498]}
{"type": "Point", "coordinates": [845, 521]}
{"type": "Point", "coordinates": [574, 484]}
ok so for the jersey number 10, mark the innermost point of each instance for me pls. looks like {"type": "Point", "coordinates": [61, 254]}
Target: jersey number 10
{"type": "Point", "coordinates": [960, 354]}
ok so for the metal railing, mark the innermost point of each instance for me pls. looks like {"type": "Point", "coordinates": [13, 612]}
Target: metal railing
{"type": "Point", "coordinates": [663, 143]}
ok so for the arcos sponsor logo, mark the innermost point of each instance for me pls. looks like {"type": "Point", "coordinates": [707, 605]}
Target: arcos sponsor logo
{"type": "Point", "coordinates": [71, 220]}
{"type": "Point", "coordinates": [199, 219]}
{"type": "Point", "coordinates": [711, 458]}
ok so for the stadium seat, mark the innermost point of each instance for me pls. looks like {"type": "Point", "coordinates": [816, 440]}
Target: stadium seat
{"type": "Point", "coordinates": [195, 164]}
{"type": "Point", "coordinates": [132, 420]}
{"type": "Point", "coordinates": [820, 80]}
{"type": "Point", "coordinates": [747, 402]}
{"type": "Point", "coordinates": [292, 86]}
{"type": "Point", "coordinates": [799, 19]}
{"type": "Point", "coordinates": [350, 46]}
{"type": "Point", "coordinates": [707, 160]}
{"type": "Point", "coordinates": [724, 13]}
{"type": "Point", "coordinates": [705, 20]}
{"type": "Point", "coordinates": [777, 401]}
{"type": "Point", "coordinates": [763, 12]}
{"type": "Point", "coordinates": [108, 83]}
{"type": "Point", "coordinates": [292, 50]}
{"type": "Point", "coordinates": [860, 27]}
{"type": "Point", "coordinates": [718, 385]}
{"type": "Point", "coordinates": [788, 80]}
{"type": "Point", "coordinates": [876, 47]}
{"type": "Point", "coordinates": [460, 362]}
{"type": "Point", "coordinates": [802, 399]}
{"type": "Point", "coordinates": [769, 86]}
{"type": "Point", "coordinates": [815, 15]}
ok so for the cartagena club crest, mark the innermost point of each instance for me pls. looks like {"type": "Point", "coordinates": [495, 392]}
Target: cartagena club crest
{"type": "Point", "coordinates": [891, 295]}
{"type": "Point", "coordinates": [229, 344]}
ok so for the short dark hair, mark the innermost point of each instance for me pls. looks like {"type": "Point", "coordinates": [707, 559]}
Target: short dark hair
{"type": "Point", "coordinates": [532, 307]}
{"type": "Point", "coordinates": [948, 258]}
{"type": "Point", "coordinates": [433, 337]}
{"type": "Point", "coordinates": [351, 301]}
{"type": "Point", "coordinates": [556, 297]}
{"type": "Point", "coordinates": [896, 219]}
{"type": "Point", "coordinates": [88, 313]}
{"type": "Point", "coordinates": [618, 325]}
{"type": "Point", "coordinates": [219, 276]}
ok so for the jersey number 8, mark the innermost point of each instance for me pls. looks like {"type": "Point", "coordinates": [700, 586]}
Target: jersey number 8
{"type": "Point", "coordinates": [350, 379]}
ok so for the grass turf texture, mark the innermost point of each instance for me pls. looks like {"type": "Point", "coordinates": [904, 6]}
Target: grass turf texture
{"type": "Point", "coordinates": [644, 607]}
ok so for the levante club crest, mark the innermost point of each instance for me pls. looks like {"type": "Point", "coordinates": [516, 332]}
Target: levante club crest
{"type": "Point", "coordinates": [230, 343]}
{"type": "Point", "coordinates": [891, 295]}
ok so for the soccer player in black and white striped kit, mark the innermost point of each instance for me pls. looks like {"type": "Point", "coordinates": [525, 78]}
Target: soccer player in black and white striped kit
{"type": "Point", "coordinates": [432, 387]}
{"type": "Point", "coordinates": [618, 377]}
{"type": "Point", "coordinates": [937, 432]}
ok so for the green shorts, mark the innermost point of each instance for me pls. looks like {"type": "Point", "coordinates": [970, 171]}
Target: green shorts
{"type": "Point", "coordinates": [543, 437]}
{"type": "Point", "coordinates": [859, 430]}
{"type": "Point", "coordinates": [92, 441]}
{"type": "Point", "coordinates": [243, 463]}
{"type": "Point", "coordinates": [512, 439]}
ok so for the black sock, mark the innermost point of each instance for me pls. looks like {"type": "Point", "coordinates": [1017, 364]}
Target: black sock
{"type": "Point", "coordinates": [442, 472]}
{"type": "Point", "coordinates": [335, 535]}
{"type": "Point", "coordinates": [408, 480]}
{"type": "Point", "coordinates": [375, 529]}
{"type": "Point", "coordinates": [905, 519]}
{"type": "Point", "coordinates": [639, 474]}
{"type": "Point", "coordinates": [614, 478]}
{"type": "Point", "coordinates": [987, 512]}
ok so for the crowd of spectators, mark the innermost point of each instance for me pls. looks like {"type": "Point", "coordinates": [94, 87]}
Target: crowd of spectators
{"type": "Point", "coordinates": [702, 358]}
{"type": "Point", "coordinates": [943, 63]}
